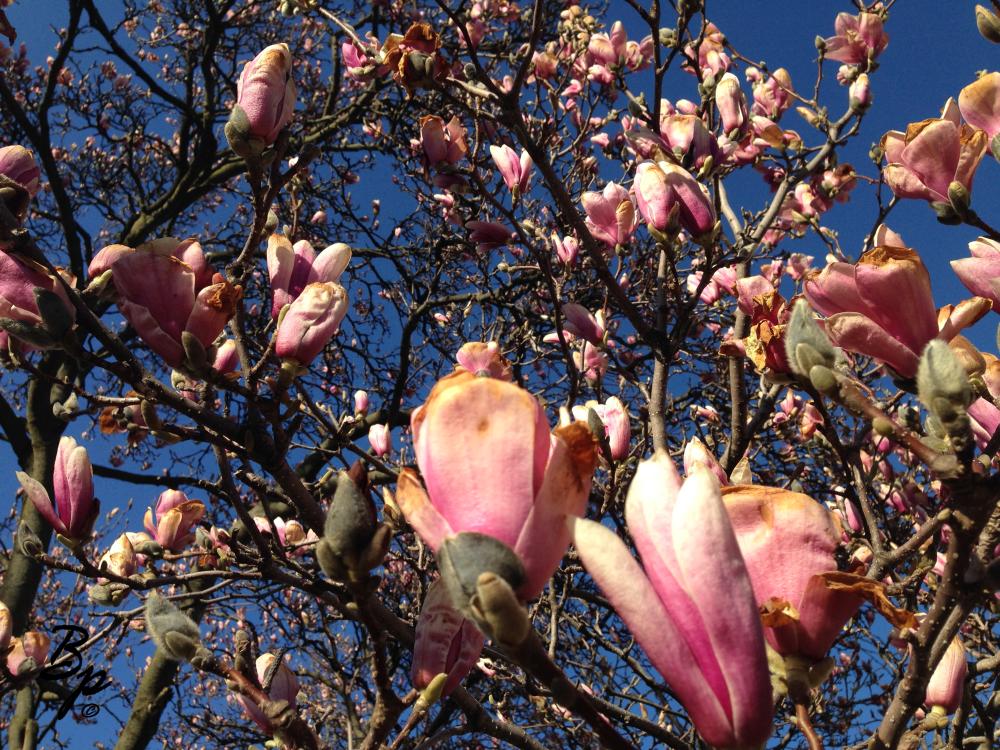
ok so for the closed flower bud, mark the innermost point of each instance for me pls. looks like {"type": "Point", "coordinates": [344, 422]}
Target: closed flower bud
{"type": "Point", "coordinates": [805, 343]}
{"type": "Point", "coordinates": [988, 24]}
{"type": "Point", "coordinates": [175, 634]}
{"type": "Point", "coordinates": [266, 93]}
{"type": "Point", "coordinates": [942, 383]}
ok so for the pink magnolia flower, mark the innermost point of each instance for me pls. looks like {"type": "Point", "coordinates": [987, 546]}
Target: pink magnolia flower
{"type": "Point", "coordinates": [932, 154]}
{"type": "Point", "coordinates": [772, 94]}
{"type": "Point", "coordinates": [484, 359]}
{"type": "Point", "coordinates": [75, 510]}
{"type": "Point", "coordinates": [608, 49]}
{"type": "Point", "coordinates": [18, 165]}
{"type": "Point", "coordinates": [947, 683]}
{"type": "Point", "coordinates": [696, 454]}
{"type": "Point", "coordinates": [284, 687]}
{"type": "Point", "coordinates": [488, 235]}
{"type": "Point", "coordinates": [490, 465]}
{"type": "Point", "coordinates": [859, 95]}
{"type": "Point", "coordinates": [592, 362]}
{"type": "Point", "coordinates": [610, 214]}
{"type": "Point", "coordinates": [121, 558]}
{"type": "Point", "coordinates": [293, 267]}
{"type": "Point", "coordinates": [686, 136]}
{"type": "Point", "coordinates": [615, 418]}
{"type": "Point", "coordinates": [979, 103]}
{"type": "Point", "coordinates": [266, 92]}
{"type": "Point", "coordinates": [310, 322]}
{"type": "Point", "coordinates": [567, 248]}
{"type": "Point", "coordinates": [515, 170]}
{"type": "Point", "coordinates": [159, 295]}
{"type": "Point", "coordinates": [441, 142]}
{"type": "Point", "coordinates": [691, 605]}
{"type": "Point", "coordinates": [858, 39]}
{"type": "Point", "coordinates": [290, 534]}
{"type": "Point", "coordinates": [32, 645]}
{"type": "Point", "coordinates": [731, 104]}
{"type": "Point", "coordinates": [981, 273]}
{"type": "Point", "coordinates": [6, 627]}
{"type": "Point", "coordinates": [444, 642]}
{"type": "Point", "coordinates": [380, 438]}
{"type": "Point", "coordinates": [581, 323]}
{"type": "Point", "coordinates": [668, 197]}
{"type": "Point", "coordinates": [711, 54]}
{"type": "Point", "coordinates": [18, 282]}
{"type": "Point", "coordinates": [361, 402]}
{"type": "Point", "coordinates": [172, 522]}
{"type": "Point", "coordinates": [227, 358]}
{"type": "Point", "coordinates": [881, 307]}
{"type": "Point", "coordinates": [788, 541]}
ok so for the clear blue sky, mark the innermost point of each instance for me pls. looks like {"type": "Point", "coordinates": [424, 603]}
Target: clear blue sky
{"type": "Point", "coordinates": [934, 51]}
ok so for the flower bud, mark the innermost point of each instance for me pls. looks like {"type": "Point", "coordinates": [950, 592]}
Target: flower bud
{"type": "Point", "coordinates": [806, 345]}
{"type": "Point", "coordinates": [465, 557]}
{"type": "Point", "coordinates": [988, 24]}
{"type": "Point", "coordinates": [350, 527]}
{"type": "Point", "coordinates": [942, 383]}
{"type": "Point", "coordinates": [265, 95]}
{"type": "Point", "coordinates": [175, 634]}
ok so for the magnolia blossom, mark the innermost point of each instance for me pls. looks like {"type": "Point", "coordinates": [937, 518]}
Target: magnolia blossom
{"type": "Point", "coordinates": [731, 104]}
{"type": "Point", "coordinates": [293, 267]}
{"type": "Point", "coordinates": [567, 248]}
{"type": "Point", "coordinates": [310, 322]}
{"type": "Point", "coordinates": [882, 307]}
{"type": "Point", "coordinates": [488, 235]}
{"type": "Point", "coordinates": [121, 558]}
{"type": "Point", "coordinates": [172, 522]}
{"type": "Point", "coordinates": [284, 687]}
{"type": "Point", "coordinates": [980, 104]}
{"type": "Point", "coordinates": [615, 418]}
{"type": "Point", "coordinates": [697, 454]}
{"type": "Point", "coordinates": [981, 272]}
{"type": "Point", "coordinates": [947, 684]}
{"type": "Point", "coordinates": [668, 197]}
{"type": "Point", "coordinates": [361, 402]}
{"type": "Point", "coordinates": [380, 439]}
{"type": "Point", "coordinates": [686, 136]}
{"type": "Point", "coordinates": [27, 653]}
{"type": "Point", "coordinates": [789, 542]}
{"type": "Point", "coordinates": [484, 359]}
{"type": "Point", "coordinates": [858, 39]}
{"type": "Point", "coordinates": [18, 282]}
{"type": "Point", "coordinates": [75, 510]}
{"type": "Point", "coordinates": [490, 465]}
{"type": "Point", "coordinates": [444, 642]}
{"type": "Point", "coordinates": [18, 165]}
{"type": "Point", "coordinates": [290, 534]}
{"type": "Point", "coordinates": [161, 294]}
{"type": "Point", "coordinates": [931, 154]}
{"type": "Point", "coordinates": [266, 92]}
{"type": "Point", "coordinates": [6, 627]}
{"type": "Point", "coordinates": [691, 605]}
{"type": "Point", "coordinates": [610, 214]}
{"type": "Point", "coordinates": [591, 361]}
{"type": "Point", "coordinates": [515, 170]}
{"type": "Point", "coordinates": [711, 53]}
{"type": "Point", "coordinates": [442, 143]}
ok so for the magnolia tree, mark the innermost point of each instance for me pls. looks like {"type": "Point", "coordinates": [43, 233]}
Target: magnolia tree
{"type": "Point", "coordinates": [472, 375]}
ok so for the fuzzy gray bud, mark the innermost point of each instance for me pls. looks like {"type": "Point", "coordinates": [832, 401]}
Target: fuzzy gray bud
{"type": "Point", "coordinates": [174, 633]}
{"type": "Point", "coordinates": [806, 345]}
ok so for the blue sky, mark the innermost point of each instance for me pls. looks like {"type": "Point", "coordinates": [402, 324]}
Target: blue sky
{"type": "Point", "coordinates": [934, 51]}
